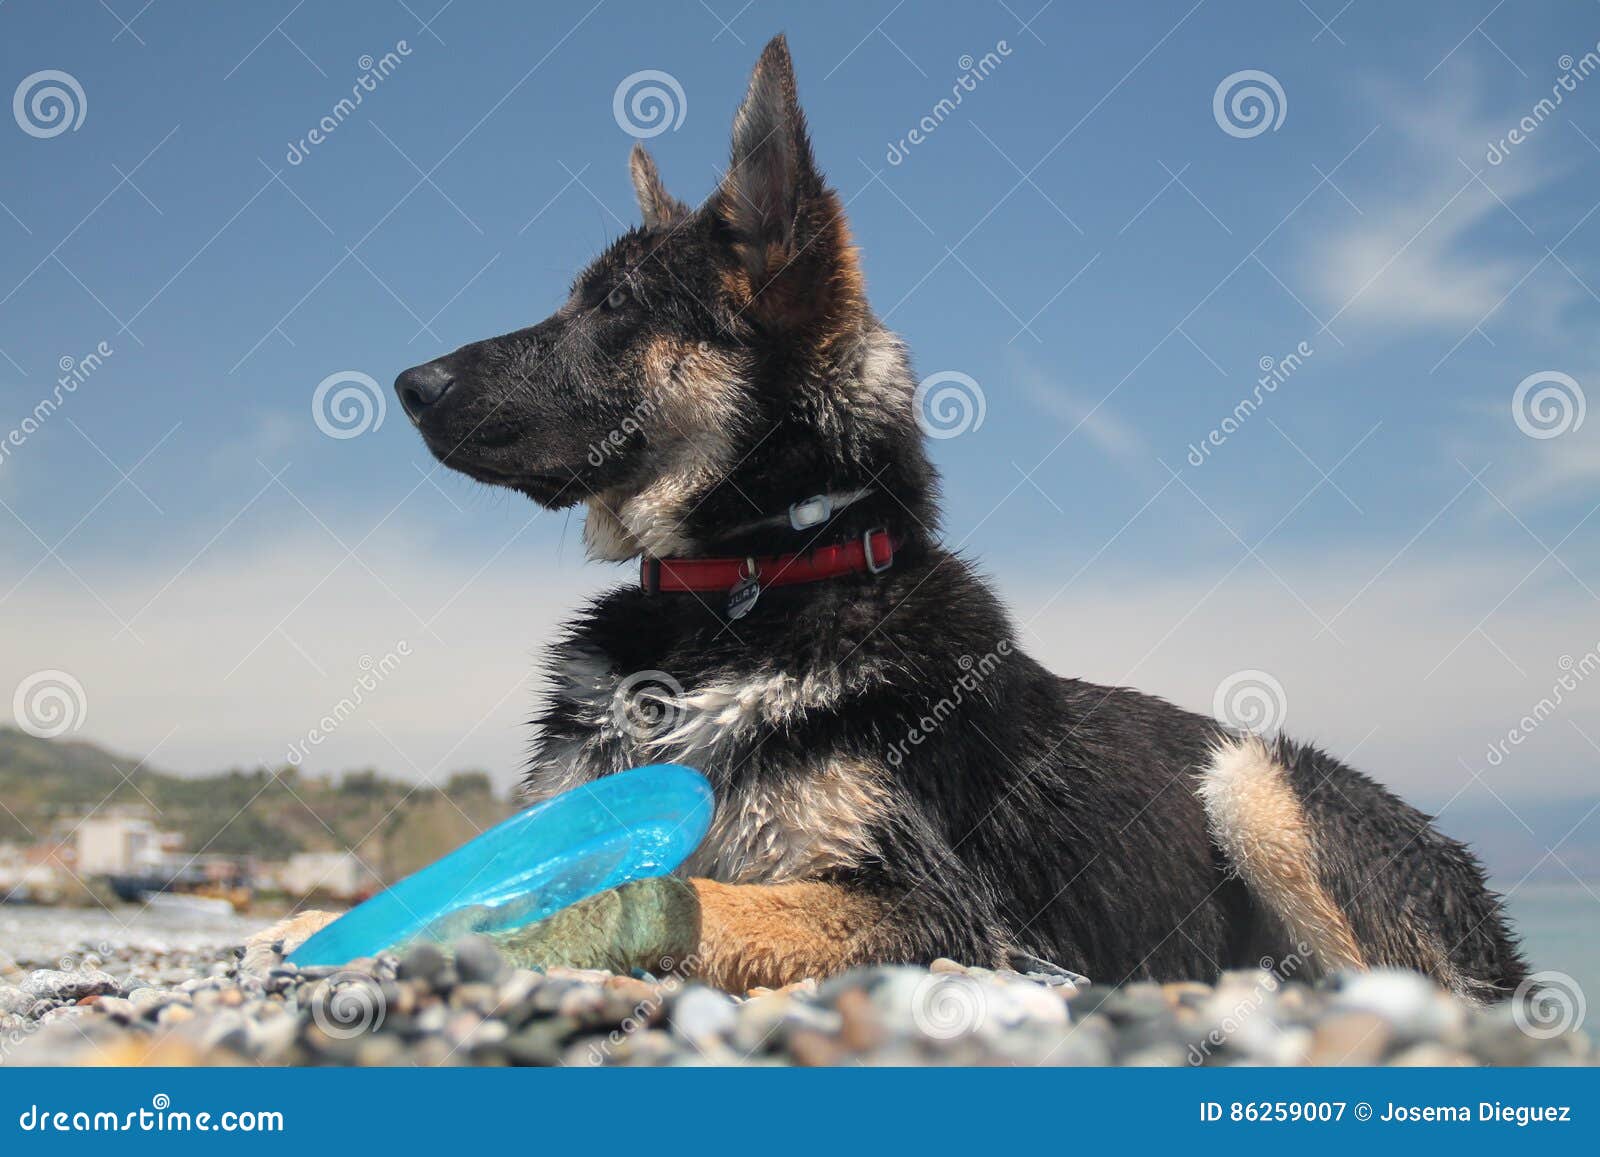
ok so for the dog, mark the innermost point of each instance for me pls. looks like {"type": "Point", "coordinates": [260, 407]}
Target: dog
{"type": "Point", "coordinates": [895, 780]}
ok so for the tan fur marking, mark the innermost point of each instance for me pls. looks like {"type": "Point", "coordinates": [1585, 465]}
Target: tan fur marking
{"type": "Point", "coordinates": [690, 371]}
{"type": "Point", "coordinates": [774, 935]}
{"type": "Point", "coordinates": [686, 414]}
{"type": "Point", "coordinates": [736, 284]}
{"type": "Point", "coordinates": [1257, 820]}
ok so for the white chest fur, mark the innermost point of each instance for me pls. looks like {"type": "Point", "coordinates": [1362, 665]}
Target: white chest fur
{"type": "Point", "coordinates": [774, 823]}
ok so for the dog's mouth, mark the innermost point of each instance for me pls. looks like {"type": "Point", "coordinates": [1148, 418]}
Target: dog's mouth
{"type": "Point", "coordinates": [553, 491]}
{"type": "Point", "coordinates": [550, 490]}
{"type": "Point", "coordinates": [493, 444]}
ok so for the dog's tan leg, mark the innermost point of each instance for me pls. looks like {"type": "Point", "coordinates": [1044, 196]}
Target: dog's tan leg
{"type": "Point", "coordinates": [775, 934]}
{"type": "Point", "coordinates": [267, 948]}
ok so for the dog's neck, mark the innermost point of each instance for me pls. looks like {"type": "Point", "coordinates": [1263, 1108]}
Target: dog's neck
{"type": "Point", "coordinates": [842, 424]}
{"type": "Point", "coordinates": [822, 519]}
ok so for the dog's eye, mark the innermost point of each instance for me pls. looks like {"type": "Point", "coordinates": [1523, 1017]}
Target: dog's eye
{"type": "Point", "coordinates": [618, 297]}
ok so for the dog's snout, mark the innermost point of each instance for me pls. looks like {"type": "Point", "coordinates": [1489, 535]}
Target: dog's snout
{"type": "Point", "coordinates": [422, 386]}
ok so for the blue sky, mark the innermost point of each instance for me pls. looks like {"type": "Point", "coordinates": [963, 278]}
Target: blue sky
{"type": "Point", "coordinates": [1082, 237]}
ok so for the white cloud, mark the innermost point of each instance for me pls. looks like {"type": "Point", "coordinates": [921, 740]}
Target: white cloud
{"type": "Point", "coordinates": [1404, 260]}
{"type": "Point", "coordinates": [214, 684]}
{"type": "Point", "coordinates": [245, 652]}
{"type": "Point", "coordinates": [1567, 465]}
{"type": "Point", "coordinates": [1528, 473]}
{"type": "Point", "coordinates": [1085, 415]}
{"type": "Point", "coordinates": [1414, 689]}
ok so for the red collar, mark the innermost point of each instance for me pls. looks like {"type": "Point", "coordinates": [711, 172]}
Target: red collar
{"type": "Point", "coordinates": [872, 552]}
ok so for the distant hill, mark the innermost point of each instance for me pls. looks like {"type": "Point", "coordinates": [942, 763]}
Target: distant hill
{"type": "Point", "coordinates": [395, 826]}
{"type": "Point", "coordinates": [398, 827]}
{"type": "Point", "coordinates": [1515, 843]}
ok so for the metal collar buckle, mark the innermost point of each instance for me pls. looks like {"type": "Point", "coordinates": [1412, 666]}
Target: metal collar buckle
{"type": "Point", "coordinates": [866, 549]}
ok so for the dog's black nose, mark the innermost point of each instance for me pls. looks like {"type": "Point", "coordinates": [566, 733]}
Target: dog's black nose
{"type": "Point", "coordinates": [422, 386]}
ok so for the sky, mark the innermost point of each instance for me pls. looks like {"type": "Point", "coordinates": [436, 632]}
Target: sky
{"type": "Point", "coordinates": [207, 540]}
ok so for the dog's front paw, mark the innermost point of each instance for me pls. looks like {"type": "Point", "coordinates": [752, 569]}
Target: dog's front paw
{"type": "Point", "coordinates": [267, 948]}
{"type": "Point", "coordinates": [651, 924]}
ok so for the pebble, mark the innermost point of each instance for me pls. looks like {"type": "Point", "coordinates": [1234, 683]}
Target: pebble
{"type": "Point", "coordinates": [1350, 1038]}
{"type": "Point", "coordinates": [467, 1005]}
{"type": "Point", "coordinates": [54, 984]}
{"type": "Point", "coordinates": [425, 962]}
{"type": "Point", "coordinates": [701, 1015]}
{"type": "Point", "coordinates": [1409, 1002]}
{"type": "Point", "coordinates": [477, 959]}
{"type": "Point", "coordinates": [149, 999]}
{"type": "Point", "coordinates": [115, 1006]}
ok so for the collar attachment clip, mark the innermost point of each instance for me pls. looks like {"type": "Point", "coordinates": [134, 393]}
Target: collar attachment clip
{"type": "Point", "coordinates": [814, 511]}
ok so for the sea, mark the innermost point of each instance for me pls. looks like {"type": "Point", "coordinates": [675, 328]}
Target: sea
{"type": "Point", "coordinates": [1559, 923]}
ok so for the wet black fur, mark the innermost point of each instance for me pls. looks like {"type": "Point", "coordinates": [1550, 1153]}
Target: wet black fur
{"type": "Point", "coordinates": [1048, 815]}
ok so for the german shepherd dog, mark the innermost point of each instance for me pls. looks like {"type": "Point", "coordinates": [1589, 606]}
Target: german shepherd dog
{"type": "Point", "coordinates": [895, 780]}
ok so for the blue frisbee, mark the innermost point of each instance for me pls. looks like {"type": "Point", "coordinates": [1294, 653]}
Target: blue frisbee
{"type": "Point", "coordinates": [628, 826]}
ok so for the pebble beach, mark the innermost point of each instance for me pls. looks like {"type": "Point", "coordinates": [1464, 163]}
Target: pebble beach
{"type": "Point", "coordinates": [226, 1004]}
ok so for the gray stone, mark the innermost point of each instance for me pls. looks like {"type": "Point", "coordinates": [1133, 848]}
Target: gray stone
{"type": "Point", "coordinates": [52, 984]}
{"type": "Point", "coordinates": [540, 1043]}
{"type": "Point", "coordinates": [424, 962]}
{"type": "Point", "coordinates": [478, 960]}
{"type": "Point", "coordinates": [701, 1014]}
{"type": "Point", "coordinates": [117, 1007]}
{"type": "Point", "coordinates": [1414, 1008]}
{"type": "Point", "coordinates": [274, 1037]}
{"type": "Point", "coordinates": [146, 1000]}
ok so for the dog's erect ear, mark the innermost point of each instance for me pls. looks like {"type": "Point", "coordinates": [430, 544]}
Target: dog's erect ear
{"type": "Point", "coordinates": [658, 206]}
{"type": "Point", "coordinates": [786, 225]}
{"type": "Point", "coordinates": [771, 169]}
